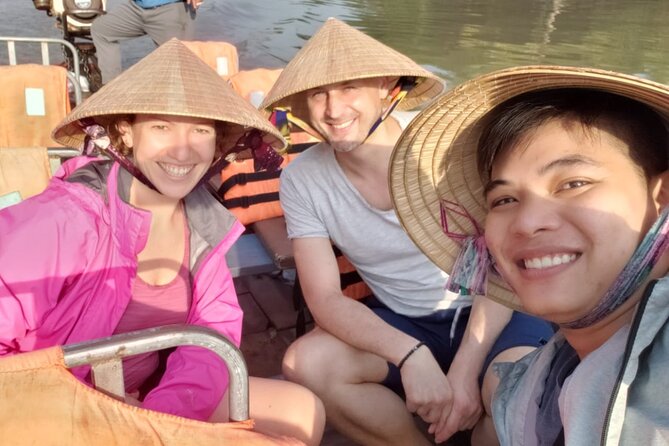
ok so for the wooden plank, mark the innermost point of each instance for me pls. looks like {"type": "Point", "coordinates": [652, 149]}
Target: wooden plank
{"type": "Point", "coordinates": [254, 320]}
{"type": "Point", "coordinates": [275, 298]}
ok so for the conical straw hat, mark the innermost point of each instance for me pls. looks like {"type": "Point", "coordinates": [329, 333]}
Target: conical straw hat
{"type": "Point", "coordinates": [435, 158]}
{"type": "Point", "coordinates": [338, 53]}
{"type": "Point", "coordinates": [171, 80]}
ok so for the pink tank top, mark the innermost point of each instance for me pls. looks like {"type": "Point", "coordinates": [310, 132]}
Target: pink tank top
{"type": "Point", "coordinates": [152, 306]}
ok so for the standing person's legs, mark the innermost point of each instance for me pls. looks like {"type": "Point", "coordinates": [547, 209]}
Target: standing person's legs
{"type": "Point", "coordinates": [123, 22]}
{"type": "Point", "coordinates": [172, 20]}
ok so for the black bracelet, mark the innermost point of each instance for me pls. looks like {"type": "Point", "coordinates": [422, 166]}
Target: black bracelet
{"type": "Point", "coordinates": [411, 352]}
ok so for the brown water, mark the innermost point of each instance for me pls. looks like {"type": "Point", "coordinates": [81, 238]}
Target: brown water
{"type": "Point", "coordinates": [455, 38]}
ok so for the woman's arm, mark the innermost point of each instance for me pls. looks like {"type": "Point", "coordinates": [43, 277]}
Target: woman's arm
{"type": "Point", "coordinates": [44, 243]}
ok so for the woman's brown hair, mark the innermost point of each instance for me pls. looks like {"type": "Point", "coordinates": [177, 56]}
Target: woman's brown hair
{"type": "Point", "coordinates": [227, 135]}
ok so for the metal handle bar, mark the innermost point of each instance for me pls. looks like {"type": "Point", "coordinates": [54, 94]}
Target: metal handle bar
{"type": "Point", "coordinates": [105, 355]}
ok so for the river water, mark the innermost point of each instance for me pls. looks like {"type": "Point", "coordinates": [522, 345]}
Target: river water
{"type": "Point", "coordinates": [456, 39]}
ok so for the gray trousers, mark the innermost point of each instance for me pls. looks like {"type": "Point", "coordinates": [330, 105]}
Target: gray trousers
{"type": "Point", "coordinates": [128, 21]}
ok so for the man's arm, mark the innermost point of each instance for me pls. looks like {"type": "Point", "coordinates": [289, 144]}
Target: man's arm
{"type": "Point", "coordinates": [486, 322]}
{"type": "Point", "coordinates": [426, 388]}
{"type": "Point", "coordinates": [337, 314]}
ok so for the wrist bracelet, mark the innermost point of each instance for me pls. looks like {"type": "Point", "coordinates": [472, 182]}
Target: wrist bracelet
{"type": "Point", "coordinates": [411, 352]}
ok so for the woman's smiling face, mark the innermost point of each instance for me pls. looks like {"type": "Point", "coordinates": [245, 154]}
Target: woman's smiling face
{"type": "Point", "coordinates": [173, 152]}
{"type": "Point", "coordinates": [567, 209]}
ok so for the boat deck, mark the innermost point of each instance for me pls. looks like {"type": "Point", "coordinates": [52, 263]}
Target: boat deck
{"type": "Point", "coordinates": [268, 329]}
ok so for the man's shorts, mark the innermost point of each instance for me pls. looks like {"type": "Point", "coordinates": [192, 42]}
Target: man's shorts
{"type": "Point", "coordinates": [443, 330]}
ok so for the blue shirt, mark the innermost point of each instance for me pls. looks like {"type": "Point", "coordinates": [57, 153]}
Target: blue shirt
{"type": "Point", "coordinates": [147, 4]}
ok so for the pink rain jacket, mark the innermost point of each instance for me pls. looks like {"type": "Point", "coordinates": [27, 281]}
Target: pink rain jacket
{"type": "Point", "coordinates": [68, 259]}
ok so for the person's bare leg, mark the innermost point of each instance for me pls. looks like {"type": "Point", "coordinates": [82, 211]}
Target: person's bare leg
{"type": "Point", "coordinates": [484, 431]}
{"type": "Point", "coordinates": [281, 408]}
{"type": "Point", "coordinates": [284, 408]}
{"type": "Point", "coordinates": [346, 381]}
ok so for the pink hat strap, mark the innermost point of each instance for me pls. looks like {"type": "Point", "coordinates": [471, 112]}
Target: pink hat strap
{"type": "Point", "coordinates": [469, 275]}
{"type": "Point", "coordinates": [264, 156]}
{"type": "Point", "coordinates": [97, 141]}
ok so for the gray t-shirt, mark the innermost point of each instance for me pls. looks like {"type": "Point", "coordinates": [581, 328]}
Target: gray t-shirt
{"type": "Point", "coordinates": [587, 391]}
{"type": "Point", "coordinates": [318, 200]}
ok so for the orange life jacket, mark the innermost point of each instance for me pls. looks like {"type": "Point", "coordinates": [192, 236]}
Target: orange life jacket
{"type": "Point", "coordinates": [221, 56]}
{"type": "Point", "coordinates": [253, 196]}
{"type": "Point", "coordinates": [352, 284]}
{"type": "Point", "coordinates": [259, 80]}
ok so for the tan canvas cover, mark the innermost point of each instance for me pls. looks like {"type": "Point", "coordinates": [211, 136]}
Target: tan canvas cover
{"type": "Point", "coordinates": [33, 100]}
{"type": "Point", "coordinates": [24, 170]}
{"type": "Point", "coordinates": [42, 403]}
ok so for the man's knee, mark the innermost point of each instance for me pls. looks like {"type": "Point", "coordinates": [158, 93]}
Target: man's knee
{"type": "Point", "coordinates": [321, 359]}
{"type": "Point", "coordinates": [95, 29]}
{"type": "Point", "coordinates": [304, 359]}
{"type": "Point", "coordinates": [100, 31]}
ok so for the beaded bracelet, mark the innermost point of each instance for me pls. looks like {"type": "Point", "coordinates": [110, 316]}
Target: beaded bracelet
{"type": "Point", "coordinates": [411, 352]}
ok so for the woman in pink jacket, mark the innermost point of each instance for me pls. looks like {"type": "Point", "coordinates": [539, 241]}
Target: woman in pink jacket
{"type": "Point", "coordinates": [137, 241]}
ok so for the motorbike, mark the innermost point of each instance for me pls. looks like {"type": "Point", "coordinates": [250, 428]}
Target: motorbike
{"type": "Point", "coordinates": [74, 18]}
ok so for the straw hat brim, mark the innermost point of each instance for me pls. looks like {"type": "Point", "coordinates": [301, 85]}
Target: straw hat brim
{"type": "Point", "coordinates": [173, 81]}
{"type": "Point", "coordinates": [338, 53]}
{"type": "Point", "coordinates": [428, 87]}
{"type": "Point", "coordinates": [435, 157]}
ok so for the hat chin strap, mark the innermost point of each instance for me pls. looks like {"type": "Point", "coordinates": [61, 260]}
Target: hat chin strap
{"type": "Point", "coordinates": [644, 259]}
{"type": "Point", "coordinates": [403, 87]}
{"type": "Point", "coordinates": [264, 156]}
{"type": "Point", "coordinates": [470, 270]}
{"type": "Point", "coordinates": [97, 141]}
{"type": "Point", "coordinates": [282, 117]}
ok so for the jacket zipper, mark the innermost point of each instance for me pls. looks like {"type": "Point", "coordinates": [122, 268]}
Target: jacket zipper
{"type": "Point", "coordinates": [626, 357]}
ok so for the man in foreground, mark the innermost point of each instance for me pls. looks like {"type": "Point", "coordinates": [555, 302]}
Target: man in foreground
{"type": "Point", "coordinates": [571, 184]}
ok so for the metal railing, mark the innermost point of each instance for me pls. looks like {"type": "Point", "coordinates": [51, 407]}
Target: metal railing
{"type": "Point", "coordinates": [105, 357]}
{"type": "Point", "coordinates": [44, 43]}
{"type": "Point", "coordinates": [63, 152]}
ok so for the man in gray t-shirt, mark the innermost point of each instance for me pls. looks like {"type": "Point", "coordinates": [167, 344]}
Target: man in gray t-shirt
{"type": "Point", "coordinates": [406, 350]}
{"type": "Point", "coordinates": [319, 201]}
